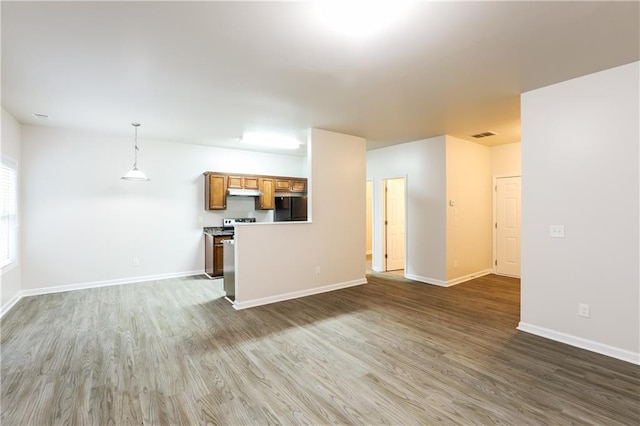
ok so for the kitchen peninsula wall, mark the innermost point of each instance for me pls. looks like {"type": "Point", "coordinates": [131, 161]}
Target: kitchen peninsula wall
{"type": "Point", "coordinates": [309, 258]}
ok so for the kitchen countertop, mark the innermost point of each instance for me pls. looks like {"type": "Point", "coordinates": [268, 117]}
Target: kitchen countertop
{"type": "Point", "coordinates": [216, 231]}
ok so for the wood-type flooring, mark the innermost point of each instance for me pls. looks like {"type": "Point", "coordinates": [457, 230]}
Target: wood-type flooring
{"type": "Point", "coordinates": [388, 352]}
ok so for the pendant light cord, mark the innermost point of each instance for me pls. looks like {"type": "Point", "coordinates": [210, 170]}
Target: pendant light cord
{"type": "Point", "coordinates": [135, 146]}
{"type": "Point", "coordinates": [135, 174]}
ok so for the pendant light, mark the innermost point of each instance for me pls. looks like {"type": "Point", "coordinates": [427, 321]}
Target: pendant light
{"type": "Point", "coordinates": [135, 174]}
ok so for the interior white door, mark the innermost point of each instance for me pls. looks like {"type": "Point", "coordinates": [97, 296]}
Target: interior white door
{"type": "Point", "coordinates": [394, 220]}
{"type": "Point", "coordinates": [507, 228]}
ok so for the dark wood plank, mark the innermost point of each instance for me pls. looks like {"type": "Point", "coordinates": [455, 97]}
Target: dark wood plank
{"type": "Point", "coordinates": [389, 352]}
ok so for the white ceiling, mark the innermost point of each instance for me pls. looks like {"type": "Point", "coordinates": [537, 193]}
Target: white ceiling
{"type": "Point", "coordinates": [204, 72]}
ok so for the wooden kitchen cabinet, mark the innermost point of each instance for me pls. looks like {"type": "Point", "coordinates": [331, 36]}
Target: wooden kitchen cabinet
{"type": "Point", "coordinates": [242, 182]}
{"type": "Point", "coordinates": [214, 255]}
{"type": "Point", "coordinates": [291, 185]}
{"type": "Point", "coordinates": [283, 184]}
{"type": "Point", "coordinates": [218, 256]}
{"type": "Point", "coordinates": [298, 185]}
{"type": "Point", "coordinates": [251, 182]}
{"type": "Point", "coordinates": [234, 182]}
{"type": "Point", "coordinates": [216, 185]}
{"type": "Point", "coordinates": [215, 192]}
{"type": "Point", "coordinates": [267, 200]}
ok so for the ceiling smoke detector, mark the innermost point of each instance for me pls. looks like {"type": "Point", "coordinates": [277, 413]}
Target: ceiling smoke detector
{"type": "Point", "coordinates": [483, 135]}
{"type": "Point", "coordinates": [41, 116]}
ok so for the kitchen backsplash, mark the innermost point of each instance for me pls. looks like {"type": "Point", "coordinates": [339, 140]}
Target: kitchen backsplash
{"type": "Point", "coordinates": [236, 207]}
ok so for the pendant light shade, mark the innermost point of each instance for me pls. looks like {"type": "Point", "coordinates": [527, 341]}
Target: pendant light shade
{"type": "Point", "coordinates": [135, 174]}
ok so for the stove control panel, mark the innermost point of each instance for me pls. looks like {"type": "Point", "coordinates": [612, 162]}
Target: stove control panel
{"type": "Point", "coordinates": [230, 222]}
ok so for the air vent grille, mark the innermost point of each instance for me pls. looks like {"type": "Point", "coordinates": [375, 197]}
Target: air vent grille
{"type": "Point", "coordinates": [483, 135]}
{"type": "Point", "coordinates": [41, 116]}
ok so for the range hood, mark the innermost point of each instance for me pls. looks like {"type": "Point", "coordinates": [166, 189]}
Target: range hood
{"type": "Point", "coordinates": [244, 192]}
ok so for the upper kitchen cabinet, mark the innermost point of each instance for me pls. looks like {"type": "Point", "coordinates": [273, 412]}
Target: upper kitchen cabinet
{"type": "Point", "coordinates": [291, 185]}
{"type": "Point", "coordinates": [242, 182]}
{"type": "Point", "coordinates": [282, 184]}
{"type": "Point", "coordinates": [267, 200]}
{"type": "Point", "coordinates": [219, 185]}
{"type": "Point", "coordinates": [298, 185]}
{"type": "Point", "coordinates": [215, 190]}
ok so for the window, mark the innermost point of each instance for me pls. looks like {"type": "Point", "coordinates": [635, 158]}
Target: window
{"type": "Point", "coordinates": [8, 213]}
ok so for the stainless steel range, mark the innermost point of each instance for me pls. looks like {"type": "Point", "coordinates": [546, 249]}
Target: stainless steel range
{"type": "Point", "coordinates": [229, 223]}
{"type": "Point", "coordinates": [229, 253]}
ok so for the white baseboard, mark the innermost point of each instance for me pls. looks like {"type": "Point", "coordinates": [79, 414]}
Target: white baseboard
{"type": "Point", "coordinates": [426, 280]}
{"type": "Point", "coordinates": [579, 342]}
{"type": "Point", "coordinates": [448, 283]}
{"type": "Point", "coordinates": [468, 277]}
{"type": "Point", "coordinates": [10, 304]}
{"type": "Point", "coordinates": [93, 284]}
{"type": "Point", "coordinates": [296, 294]}
{"type": "Point", "coordinates": [505, 275]}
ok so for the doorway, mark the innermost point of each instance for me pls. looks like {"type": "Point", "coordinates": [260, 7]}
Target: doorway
{"type": "Point", "coordinates": [369, 225]}
{"type": "Point", "coordinates": [507, 240]}
{"type": "Point", "coordinates": [394, 224]}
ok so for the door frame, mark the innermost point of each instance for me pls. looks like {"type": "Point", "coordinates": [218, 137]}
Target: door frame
{"type": "Point", "coordinates": [369, 219]}
{"type": "Point", "coordinates": [383, 225]}
{"type": "Point", "coordinates": [494, 218]}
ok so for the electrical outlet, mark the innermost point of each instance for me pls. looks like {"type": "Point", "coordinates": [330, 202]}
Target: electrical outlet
{"type": "Point", "coordinates": [556, 231]}
{"type": "Point", "coordinates": [136, 261]}
{"type": "Point", "coordinates": [583, 310]}
{"type": "Point", "coordinates": [317, 270]}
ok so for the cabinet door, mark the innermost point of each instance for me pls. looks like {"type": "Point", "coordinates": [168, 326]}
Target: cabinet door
{"type": "Point", "coordinates": [216, 192]}
{"type": "Point", "coordinates": [234, 182]}
{"type": "Point", "coordinates": [283, 184]}
{"type": "Point", "coordinates": [251, 182]}
{"type": "Point", "coordinates": [218, 260]}
{"type": "Point", "coordinates": [267, 200]}
{"type": "Point", "coordinates": [299, 185]}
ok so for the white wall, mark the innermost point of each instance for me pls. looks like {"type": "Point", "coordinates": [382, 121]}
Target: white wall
{"type": "Point", "coordinates": [279, 261]}
{"type": "Point", "coordinates": [83, 224]}
{"type": "Point", "coordinates": [423, 163]}
{"type": "Point", "coordinates": [11, 276]}
{"type": "Point", "coordinates": [469, 237]}
{"type": "Point", "coordinates": [506, 160]}
{"type": "Point", "coordinates": [580, 148]}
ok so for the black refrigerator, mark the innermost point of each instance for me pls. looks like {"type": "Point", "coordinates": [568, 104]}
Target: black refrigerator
{"type": "Point", "coordinates": [290, 209]}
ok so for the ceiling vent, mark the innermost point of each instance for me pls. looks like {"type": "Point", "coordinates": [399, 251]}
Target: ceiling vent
{"type": "Point", "coordinates": [483, 135]}
{"type": "Point", "coordinates": [41, 116]}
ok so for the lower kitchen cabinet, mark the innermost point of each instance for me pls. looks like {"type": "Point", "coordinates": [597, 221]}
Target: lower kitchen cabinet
{"type": "Point", "coordinates": [218, 256]}
{"type": "Point", "coordinates": [214, 255]}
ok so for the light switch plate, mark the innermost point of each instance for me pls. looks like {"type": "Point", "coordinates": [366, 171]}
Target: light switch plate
{"type": "Point", "coordinates": [583, 310]}
{"type": "Point", "coordinates": [556, 231]}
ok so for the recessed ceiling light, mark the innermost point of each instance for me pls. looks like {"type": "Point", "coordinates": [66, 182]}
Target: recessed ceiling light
{"type": "Point", "coordinates": [41, 116]}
